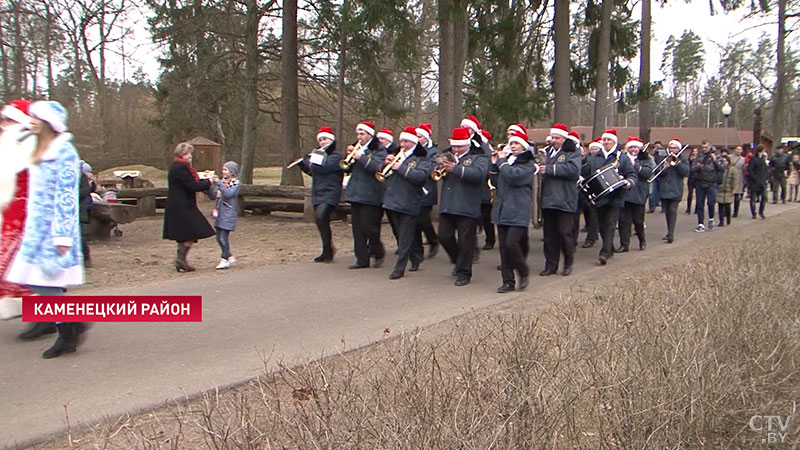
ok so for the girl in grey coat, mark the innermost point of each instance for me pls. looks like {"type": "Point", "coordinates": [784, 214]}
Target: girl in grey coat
{"type": "Point", "coordinates": [225, 191]}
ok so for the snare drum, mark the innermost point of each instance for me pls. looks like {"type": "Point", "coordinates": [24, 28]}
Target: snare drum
{"type": "Point", "coordinates": [599, 187]}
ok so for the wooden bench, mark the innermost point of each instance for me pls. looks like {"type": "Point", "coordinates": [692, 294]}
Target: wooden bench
{"type": "Point", "coordinates": [105, 217]}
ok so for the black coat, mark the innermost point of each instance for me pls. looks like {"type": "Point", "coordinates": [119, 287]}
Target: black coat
{"type": "Point", "coordinates": [625, 169]}
{"type": "Point", "coordinates": [757, 171]}
{"type": "Point", "coordinates": [404, 187]}
{"type": "Point", "coordinates": [670, 183]}
{"type": "Point", "coordinates": [182, 220]}
{"type": "Point", "coordinates": [560, 178]}
{"type": "Point", "coordinates": [643, 166]}
{"type": "Point", "coordinates": [326, 179]}
{"type": "Point", "coordinates": [363, 187]}
{"type": "Point", "coordinates": [461, 188]}
{"type": "Point", "coordinates": [431, 186]}
{"type": "Point", "coordinates": [514, 181]}
{"type": "Point", "coordinates": [707, 170]}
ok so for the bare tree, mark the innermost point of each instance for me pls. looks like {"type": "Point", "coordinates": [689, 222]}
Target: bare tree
{"type": "Point", "coordinates": [290, 110]}
{"type": "Point", "coordinates": [603, 52]}
{"type": "Point", "coordinates": [644, 73]}
{"type": "Point", "coordinates": [561, 72]}
{"type": "Point", "coordinates": [253, 15]}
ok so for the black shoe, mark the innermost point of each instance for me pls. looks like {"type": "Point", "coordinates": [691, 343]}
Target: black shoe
{"type": "Point", "coordinates": [38, 330]}
{"type": "Point", "coordinates": [414, 267]}
{"type": "Point", "coordinates": [651, 211]}
{"type": "Point", "coordinates": [454, 272]}
{"type": "Point", "coordinates": [670, 240]}
{"type": "Point", "coordinates": [642, 245]}
{"type": "Point", "coordinates": [523, 283]}
{"type": "Point", "coordinates": [506, 287]}
{"type": "Point", "coordinates": [499, 267]}
{"type": "Point", "coordinates": [67, 341]}
{"type": "Point", "coordinates": [754, 217]}
{"type": "Point", "coordinates": [588, 244]}
{"type": "Point", "coordinates": [323, 258]}
{"type": "Point", "coordinates": [566, 271]}
{"type": "Point", "coordinates": [395, 275]}
{"type": "Point", "coordinates": [488, 246]}
{"type": "Point", "coordinates": [621, 249]}
{"type": "Point", "coordinates": [603, 259]}
{"type": "Point", "coordinates": [735, 215]}
{"type": "Point", "coordinates": [547, 272]}
{"type": "Point", "coordinates": [762, 216]}
{"type": "Point", "coordinates": [378, 263]}
{"type": "Point", "coordinates": [665, 238]}
{"type": "Point", "coordinates": [397, 252]}
{"type": "Point", "coordinates": [462, 280]}
{"type": "Point", "coordinates": [433, 250]}
{"type": "Point", "coordinates": [357, 266]}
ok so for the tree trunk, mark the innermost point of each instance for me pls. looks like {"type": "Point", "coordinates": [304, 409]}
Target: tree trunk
{"type": "Point", "coordinates": [340, 93]}
{"type": "Point", "coordinates": [250, 92]}
{"type": "Point", "coordinates": [603, 54]}
{"type": "Point", "coordinates": [49, 49]}
{"type": "Point", "coordinates": [460, 47]}
{"type": "Point", "coordinates": [446, 68]}
{"type": "Point", "coordinates": [18, 54]}
{"type": "Point", "coordinates": [290, 111]}
{"type": "Point", "coordinates": [561, 73]}
{"type": "Point", "coordinates": [780, 70]}
{"type": "Point", "coordinates": [4, 61]}
{"type": "Point", "coordinates": [644, 74]}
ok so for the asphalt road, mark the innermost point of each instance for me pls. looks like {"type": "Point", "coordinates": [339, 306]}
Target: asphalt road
{"type": "Point", "coordinates": [291, 313]}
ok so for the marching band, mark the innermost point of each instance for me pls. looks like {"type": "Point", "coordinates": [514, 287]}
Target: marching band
{"type": "Point", "coordinates": [487, 188]}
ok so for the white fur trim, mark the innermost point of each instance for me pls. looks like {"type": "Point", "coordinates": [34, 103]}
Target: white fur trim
{"type": "Point", "coordinates": [596, 144]}
{"type": "Point", "coordinates": [424, 133]}
{"type": "Point", "coordinates": [630, 144]}
{"type": "Point", "coordinates": [515, 127]}
{"type": "Point", "coordinates": [409, 137]}
{"type": "Point", "coordinates": [459, 142]}
{"type": "Point", "coordinates": [673, 141]}
{"type": "Point", "coordinates": [386, 136]}
{"type": "Point", "coordinates": [558, 132]}
{"type": "Point", "coordinates": [325, 134]}
{"type": "Point", "coordinates": [366, 129]}
{"type": "Point", "coordinates": [613, 137]}
{"type": "Point", "coordinates": [466, 123]}
{"type": "Point", "coordinates": [519, 140]}
{"type": "Point", "coordinates": [10, 112]}
{"type": "Point", "coordinates": [574, 139]}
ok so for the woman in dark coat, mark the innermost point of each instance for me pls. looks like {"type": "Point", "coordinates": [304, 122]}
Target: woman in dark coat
{"type": "Point", "coordinates": [183, 222]}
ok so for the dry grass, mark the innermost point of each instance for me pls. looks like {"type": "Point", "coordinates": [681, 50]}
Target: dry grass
{"type": "Point", "coordinates": [261, 175]}
{"type": "Point", "coordinates": [680, 359]}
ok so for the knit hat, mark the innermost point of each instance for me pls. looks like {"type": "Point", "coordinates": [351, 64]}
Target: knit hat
{"type": "Point", "coordinates": [409, 134]}
{"type": "Point", "coordinates": [517, 127]}
{"type": "Point", "coordinates": [575, 137]}
{"type": "Point", "coordinates": [424, 130]}
{"type": "Point", "coordinates": [675, 141]}
{"type": "Point", "coordinates": [386, 133]}
{"type": "Point", "coordinates": [367, 127]}
{"type": "Point", "coordinates": [611, 133]}
{"type": "Point", "coordinates": [461, 136]}
{"type": "Point", "coordinates": [472, 123]}
{"type": "Point", "coordinates": [326, 132]}
{"type": "Point", "coordinates": [17, 110]}
{"type": "Point", "coordinates": [520, 138]}
{"type": "Point", "coordinates": [487, 135]}
{"type": "Point", "coordinates": [634, 141]}
{"type": "Point", "coordinates": [51, 112]}
{"type": "Point", "coordinates": [232, 167]}
{"type": "Point", "coordinates": [559, 129]}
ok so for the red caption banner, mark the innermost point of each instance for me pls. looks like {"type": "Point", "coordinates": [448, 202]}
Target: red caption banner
{"type": "Point", "coordinates": [137, 308]}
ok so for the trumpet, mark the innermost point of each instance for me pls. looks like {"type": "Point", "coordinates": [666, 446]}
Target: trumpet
{"type": "Point", "coordinates": [669, 161]}
{"type": "Point", "coordinates": [387, 169]}
{"type": "Point", "coordinates": [348, 160]}
{"type": "Point", "coordinates": [440, 172]}
{"type": "Point", "coordinates": [320, 150]}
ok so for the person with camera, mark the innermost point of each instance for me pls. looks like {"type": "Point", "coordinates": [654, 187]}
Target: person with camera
{"type": "Point", "coordinates": [708, 171]}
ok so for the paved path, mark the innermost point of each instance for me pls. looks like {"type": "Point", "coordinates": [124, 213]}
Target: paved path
{"type": "Point", "coordinates": [295, 312]}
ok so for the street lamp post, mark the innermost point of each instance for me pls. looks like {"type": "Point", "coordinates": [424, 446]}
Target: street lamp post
{"type": "Point", "coordinates": [726, 111]}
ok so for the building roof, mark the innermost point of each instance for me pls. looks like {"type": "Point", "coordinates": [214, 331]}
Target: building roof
{"type": "Point", "coordinates": [688, 135]}
{"type": "Point", "coordinates": [200, 140]}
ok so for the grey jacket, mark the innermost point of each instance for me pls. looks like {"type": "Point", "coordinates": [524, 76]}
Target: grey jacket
{"type": "Point", "coordinates": [512, 206]}
{"type": "Point", "coordinates": [326, 178]}
{"type": "Point", "coordinates": [363, 187]}
{"type": "Point", "coordinates": [404, 187]}
{"type": "Point", "coordinates": [461, 189]}
{"type": "Point", "coordinates": [227, 201]}
{"type": "Point", "coordinates": [670, 183]}
{"type": "Point", "coordinates": [559, 184]}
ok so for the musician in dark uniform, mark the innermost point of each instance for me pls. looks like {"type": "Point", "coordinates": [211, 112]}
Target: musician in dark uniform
{"type": "Point", "coordinates": [576, 218]}
{"type": "Point", "coordinates": [511, 212]}
{"type": "Point", "coordinates": [608, 214]}
{"type": "Point", "coordinates": [326, 187]}
{"type": "Point", "coordinates": [403, 198]}
{"type": "Point", "coordinates": [635, 198]}
{"type": "Point", "coordinates": [431, 191]}
{"type": "Point", "coordinates": [589, 212]}
{"type": "Point", "coordinates": [671, 185]}
{"type": "Point", "coordinates": [560, 200]}
{"type": "Point", "coordinates": [460, 209]}
{"type": "Point", "coordinates": [365, 195]}
{"type": "Point", "coordinates": [481, 138]}
{"type": "Point", "coordinates": [386, 138]}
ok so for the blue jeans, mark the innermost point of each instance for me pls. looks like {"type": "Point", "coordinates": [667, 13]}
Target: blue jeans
{"type": "Point", "coordinates": [224, 244]}
{"type": "Point", "coordinates": [706, 195]}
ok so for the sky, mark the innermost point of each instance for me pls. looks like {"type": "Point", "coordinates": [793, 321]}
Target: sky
{"type": "Point", "coordinates": [672, 19]}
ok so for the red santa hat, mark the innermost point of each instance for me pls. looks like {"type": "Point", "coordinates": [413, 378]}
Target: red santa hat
{"type": "Point", "coordinates": [472, 123]}
{"type": "Point", "coordinates": [517, 127]}
{"type": "Point", "coordinates": [675, 141]}
{"type": "Point", "coordinates": [460, 136]}
{"type": "Point", "coordinates": [367, 127]}
{"type": "Point", "coordinates": [486, 135]}
{"type": "Point", "coordinates": [325, 132]}
{"type": "Point", "coordinates": [611, 133]}
{"type": "Point", "coordinates": [573, 135]}
{"type": "Point", "coordinates": [385, 133]}
{"type": "Point", "coordinates": [559, 129]}
{"type": "Point", "coordinates": [519, 137]}
{"type": "Point", "coordinates": [409, 134]}
{"type": "Point", "coordinates": [596, 143]}
{"type": "Point", "coordinates": [634, 141]}
{"type": "Point", "coordinates": [424, 130]}
{"type": "Point", "coordinates": [17, 110]}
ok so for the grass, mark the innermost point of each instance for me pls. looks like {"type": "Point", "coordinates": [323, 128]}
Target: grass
{"type": "Point", "coordinates": [261, 175]}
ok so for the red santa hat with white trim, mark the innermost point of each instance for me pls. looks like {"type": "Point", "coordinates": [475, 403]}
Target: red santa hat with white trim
{"type": "Point", "coordinates": [559, 129]}
{"type": "Point", "coordinates": [611, 133]}
{"type": "Point", "coordinates": [367, 127]}
{"type": "Point", "coordinates": [17, 110]}
{"type": "Point", "coordinates": [385, 133]}
{"type": "Point", "coordinates": [517, 127]}
{"type": "Point", "coordinates": [409, 134]}
{"type": "Point", "coordinates": [424, 130]}
{"type": "Point", "coordinates": [472, 123]}
{"type": "Point", "coordinates": [520, 138]}
{"type": "Point", "coordinates": [460, 136]}
{"type": "Point", "coordinates": [675, 141]}
{"type": "Point", "coordinates": [574, 137]}
{"type": "Point", "coordinates": [634, 141]}
{"type": "Point", "coordinates": [597, 144]}
{"type": "Point", "coordinates": [326, 132]}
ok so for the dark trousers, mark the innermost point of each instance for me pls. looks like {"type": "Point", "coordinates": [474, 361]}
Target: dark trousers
{"type": "Point", "coordinates": [737, 199]}
{"type": "Point", "coordinates": [408, 246]}
{"type": "Point", "coordinates": [671, 211]}
{"type": "Point", "coordinates": [576, 227]}
{"type": "Point", "coordinates": [607, 217]}
{"type": "Point", "coordinates": [322, 217]}
{"type": "Point", "coordinates": [425, 225]}
{"type": "Point", "coordinates": [758, 193]}
{"type": "Point", "coordinates": [457, 237]}
{"type": "Point", "coordinates": [486, 223]}
{"type": "Point", "coordinates": [558, 228]}
{"type": "Point", "coordinates": [592, 226]}
{"type": "Point", "coordinates": [223, 239]}
{"type": "Point", "coordinates": [511, 255]}
{"type": "Point", "coordinates": [689, 194]}
{"type": "Point", "coordinates": [366, 232]}
{"type": "Point", "coordinates": [706, 195]}
{"type": "Point", "coordinates": [655, 196]}
{"type": "Point", "coordinates": [87, 257]}
{"type": "Point", "coordinates": [724, 213]}
{"type": "Point", "coordinates": [779, 182]}
{"type": "Point", "coordinates": [631, 214]}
